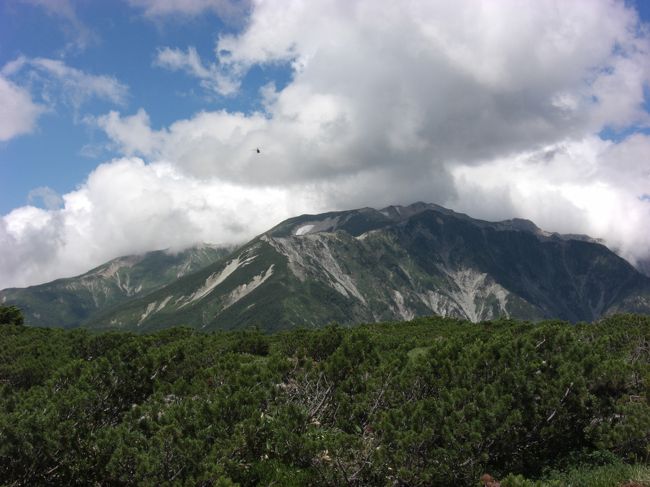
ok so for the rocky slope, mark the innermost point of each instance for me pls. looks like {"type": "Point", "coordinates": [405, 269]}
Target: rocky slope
{"type": "Point", "coordinates": [394, 263]}
{"type": "Point", "coordinates": [74, 301]}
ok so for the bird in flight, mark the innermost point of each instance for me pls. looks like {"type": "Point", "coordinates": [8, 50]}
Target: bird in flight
{"type": "Point", "coordinates": [257, 150]}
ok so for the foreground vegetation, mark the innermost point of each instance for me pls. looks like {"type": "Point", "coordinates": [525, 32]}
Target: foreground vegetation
{"type": "Point", "coordinates": [430, 402]}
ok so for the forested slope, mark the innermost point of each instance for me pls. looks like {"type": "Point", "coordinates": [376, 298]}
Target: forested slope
{"type": "Point", "coordinates": [429, 402]}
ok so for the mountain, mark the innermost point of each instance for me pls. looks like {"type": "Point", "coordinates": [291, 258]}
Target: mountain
{"type": "Point", "coordinates": [396, 263]}
{"type": "Point", "coordinates": [74, 301]}
{"type": "Point", "coordinates": [643, 266]}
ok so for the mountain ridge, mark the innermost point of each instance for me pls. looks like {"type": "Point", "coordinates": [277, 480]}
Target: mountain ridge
{"type": "Point", "coordinates": [396, 263]}
{"type": "Point", "coordinates": [76, 299]}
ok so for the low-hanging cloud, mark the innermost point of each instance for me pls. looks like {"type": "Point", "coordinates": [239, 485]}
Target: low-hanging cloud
{"type": "Point", "coordinates": [587, 186]}
{"type": "Point", "coordinates": [125, 207]}
{"type": "Point", "coordinates": [490, 108]}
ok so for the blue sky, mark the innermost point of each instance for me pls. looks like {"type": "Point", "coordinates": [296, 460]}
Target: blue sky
{"type": "Point", "coordinates": [131, 125]}
{"type": "Point", "coordinates": [64, 149]}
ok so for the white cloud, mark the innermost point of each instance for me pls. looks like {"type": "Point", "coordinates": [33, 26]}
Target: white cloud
{"type": "Point", "coordinates": [51, 82]}
{"type": "Point", "coordinates": [390, 101]}
{"type": "Point", "coordinates": [226, 9]}
{"type": "Point", "coordinates": [19, 112]}
{"type": "Point", "coordinates": [212, 78]}
{"type": "Point", "coordinates": [491, 108]}
{"type": "Point", "coordinates": [48, 198]}
{"type": "Point", "coordinates": [127, 207]}
{"type": "Point", "coordinates": [79, 35]}
{"type": "Point", "coordinates": [74, 85]}
{"type": "Point", "coordinates": [133, 133]}
{"type": "Point", "coordinates": [588, 186]}
{"type": "Point", "coordinates": [411, 89]}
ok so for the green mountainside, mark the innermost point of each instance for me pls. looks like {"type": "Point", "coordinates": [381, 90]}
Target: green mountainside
{"type": "Point", "coordinates": [434, 402]}
{"type": "Point", "coordinates": [73, 301]}
{"type": "Point", "coordinates": [371, 265]}
{"type": "Point", "coordinates": [354, 266]}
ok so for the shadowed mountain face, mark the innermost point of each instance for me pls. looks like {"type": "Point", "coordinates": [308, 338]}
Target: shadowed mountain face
{"type": "Point", "coordinates": [643, 266]}
{"type": "Point", "coordinates": [395, 263]}
{"type": "Point", "coordinates": [74, 301]}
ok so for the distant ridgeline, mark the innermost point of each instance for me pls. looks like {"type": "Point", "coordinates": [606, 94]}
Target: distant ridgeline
{"type": "Point", "coordinates": [353, 266]}
{"type": "Point", "coordinates": [432, 402]}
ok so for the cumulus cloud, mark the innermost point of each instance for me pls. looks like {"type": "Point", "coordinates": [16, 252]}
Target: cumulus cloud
{"type": "Point", "coordinates": [133, 134]}
{"type": "Point", "coordinates": [411, 88]}
{"type": "Point", "coordinates": [127, 206]}
{"type": "Point", "coordinates": [19, 112]}
{"type": "Point", "coordinates": [587, 186]}
{"type": "Point", "coordinates": [46, 196]}
{"type": "Point", "coordinates": [491, 108]}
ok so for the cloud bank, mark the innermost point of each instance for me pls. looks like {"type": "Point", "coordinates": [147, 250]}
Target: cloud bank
{"type": "Point", "coordinates": [125, 207]}
{"type": "Point", "coordinates": [491, 108]}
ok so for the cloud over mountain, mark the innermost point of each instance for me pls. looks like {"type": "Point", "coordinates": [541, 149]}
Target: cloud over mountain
{"type": "Point", "coordinates": [492, 108]}
{"type": "Point", "coordinates": [128, 207]}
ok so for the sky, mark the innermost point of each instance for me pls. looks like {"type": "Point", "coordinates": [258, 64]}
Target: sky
{"type": "Point", "coordinates": [132, 125]}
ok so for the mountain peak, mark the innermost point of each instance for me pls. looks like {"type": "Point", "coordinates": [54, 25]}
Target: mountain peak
{"type": "Point", "coordinates": [360, 265]}
{"type": "Point", "coordinates": [359, 221]}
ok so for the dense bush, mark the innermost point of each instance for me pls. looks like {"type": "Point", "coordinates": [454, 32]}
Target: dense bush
{"type": "Point", "coordinates": [429, 402]}
{"type": "Point", "coordinates": [11, 315]}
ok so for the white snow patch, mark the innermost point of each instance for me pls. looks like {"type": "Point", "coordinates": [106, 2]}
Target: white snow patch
{"type": "Point", "coordinates": [304, 229]}
{"type": "Point", "coordinates": [240, 291]}
{"type": "Point", "coordinates": [217, 278]}
{"type": "Point", "coordinates": [326, 225]}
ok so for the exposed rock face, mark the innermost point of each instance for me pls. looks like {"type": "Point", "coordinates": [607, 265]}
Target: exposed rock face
{"type": "Point", "coordinates": [394, 263]}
